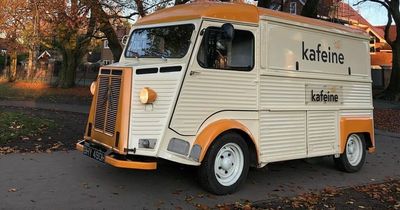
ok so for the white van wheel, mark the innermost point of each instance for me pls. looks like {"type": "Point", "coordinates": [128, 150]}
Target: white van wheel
{"type": "Point", "coordinates": [228, 164]}
{"type": "Point", "coordinates": [353, 157]}
{"type": "Point", "coordinates": [225, 165]}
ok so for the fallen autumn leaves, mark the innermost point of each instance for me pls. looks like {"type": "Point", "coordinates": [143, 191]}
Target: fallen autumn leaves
{"type": "Point", "coordinates": [387, 119]}
{"type": "Point", "coordinates": [372, 196]}
{"type": "Point", "coordinates": [35, 131]}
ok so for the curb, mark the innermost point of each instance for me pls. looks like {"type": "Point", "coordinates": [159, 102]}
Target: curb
{"type": "Point", "coordinates": [81, 109]}
{"type": "Point", "coordinates": [387, 133]}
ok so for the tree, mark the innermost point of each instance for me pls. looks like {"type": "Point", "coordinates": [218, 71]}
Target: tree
{"type": "Point", "coordinates": [392, 6]}
{"type": "Point", "coordinates": [109, 13]}
{"type": "Point", "coordinates": [264, 3]}
{"type": "Point", "coordinates": [13, 19]}
{"type": "Point", "coordinates": [310, 9]}
{"type": "Point", "coordinates": [72, 29]}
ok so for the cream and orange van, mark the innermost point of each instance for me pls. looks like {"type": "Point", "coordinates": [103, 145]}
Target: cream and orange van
{"type": "Point", "coordinates": [227, 86]}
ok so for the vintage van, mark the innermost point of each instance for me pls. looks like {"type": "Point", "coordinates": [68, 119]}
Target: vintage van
{"type": "Point", "coordinates": [227, 86]}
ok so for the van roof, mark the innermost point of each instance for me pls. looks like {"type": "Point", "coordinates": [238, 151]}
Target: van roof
{"type": "Point", "coordinates": [234, 12]}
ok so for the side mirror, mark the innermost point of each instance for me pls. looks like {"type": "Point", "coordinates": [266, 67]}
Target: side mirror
{"type": "Point", "coordinates": [124, 40]}
{"type": "Point", "coordinates": [228, 31]}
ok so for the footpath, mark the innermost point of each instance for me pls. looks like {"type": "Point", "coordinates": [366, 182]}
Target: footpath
{"type": "Point", "coordinates": [382, 104]}
{"type": "Point", "coordinates": [81, 109]}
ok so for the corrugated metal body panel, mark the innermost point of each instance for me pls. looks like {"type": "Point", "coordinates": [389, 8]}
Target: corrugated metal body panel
{"type": "Point", "coordinates": [212, 91]}
{"type": "Point", "coordinates": [322, 132]}
{"type": "Point", "coordinates": [277, 91]}
{"type": "Point", "coordinates": [282, 135]}
{"type": "Point", "coordinates": [283, 92]}
{"type": "Point", "coordinates": [149, 121]}
{"type": "Point", "coordinates": [355, 94]}
{"type": "Point", "coordinates": [293, 126]}
{"type": "Point", "coordinates": [356, 113]}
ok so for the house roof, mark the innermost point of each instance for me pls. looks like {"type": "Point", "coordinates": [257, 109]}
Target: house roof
{"type": "Point", "coordinates": [346, 12]}
{"type": "Point", "coordinates": [392, 31]}
{"type": "Point", "coordinates": [45, 53]}
{"type": "Point", "coordinates": [231, 11]}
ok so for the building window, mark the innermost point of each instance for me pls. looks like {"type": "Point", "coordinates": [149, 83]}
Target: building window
{"type": "Point", "coordinates": [293, 8]}
{"type": "Point", "coordinates": [275, 6]}
{"type": "Point", "coordinates": [373, 40]}
{"type": "Point", "coordinates": [217, 52]}
{"type": "Point", "coordinates": [106, 44]}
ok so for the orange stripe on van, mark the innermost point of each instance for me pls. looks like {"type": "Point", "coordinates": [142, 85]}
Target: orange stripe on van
{"type": "Point", "coordinates": [350, 125]}
{"type": "Point", "coordinates": [212, 131]}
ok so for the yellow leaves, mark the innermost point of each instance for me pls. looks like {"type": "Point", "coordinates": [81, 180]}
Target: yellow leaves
{"type": "Point", "coordinates": [7, 150]}
{"type": "Point", "coordinates": [56, 145]}
{"type": "Point", "coordinates": [12, 190]}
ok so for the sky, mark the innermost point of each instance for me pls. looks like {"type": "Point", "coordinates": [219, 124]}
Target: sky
{"type": "Point", "coordinates": [373, 12]}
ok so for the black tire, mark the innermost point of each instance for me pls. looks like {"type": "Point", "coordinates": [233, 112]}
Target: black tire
{"type": "Point", "coordinates": [206, 173]}
{"type": "Point", "coordinates": [344, 164]}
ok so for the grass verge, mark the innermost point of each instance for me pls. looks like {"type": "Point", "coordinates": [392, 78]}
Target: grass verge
{"type": "Point", "coordinates": [14, 125]}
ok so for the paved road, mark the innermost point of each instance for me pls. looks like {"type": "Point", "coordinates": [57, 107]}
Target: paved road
{"type": "Point", "coordinates": [68, 180]}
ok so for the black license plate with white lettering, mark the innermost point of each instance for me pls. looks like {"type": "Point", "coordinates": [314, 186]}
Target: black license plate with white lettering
{"type": "Point", "coordinates": [93, 153]}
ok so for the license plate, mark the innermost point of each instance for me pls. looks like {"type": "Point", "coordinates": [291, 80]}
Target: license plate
{"type": "Point", "coordinates": [94, 153]}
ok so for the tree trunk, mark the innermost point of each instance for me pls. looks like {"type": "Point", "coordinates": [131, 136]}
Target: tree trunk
{"type": "Point", "coordinates": [31, 63]}
{"type": "Point", "coordinates": [140, 7]}
{"type": "Point", "coordinates": [177, 2]}
{"type": "Point", "coordinates": [113, 41]}
{"type": "Point", "coordinates": [12, 74]}
{"type": "Point", "coordinates": [70, 63]}
{"type": "Point", "coordinates": [264, 3]}
{"type": "Point", "coordinates": [108, 30]}
{"type": "Point", "coordinates": [394, 85]}
{"type": "Point", "coordinates": [310, 9]}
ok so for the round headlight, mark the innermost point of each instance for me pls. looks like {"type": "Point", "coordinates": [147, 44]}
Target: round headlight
{"type": "Point", "coordinates": [147, 96]}
{"type": "Point", "coordinates": [93, 87]}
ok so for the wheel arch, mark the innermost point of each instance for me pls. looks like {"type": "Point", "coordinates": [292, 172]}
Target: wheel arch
{"type": "Point", "coordinates": [363, 126]}
{"type": "Point", "coordinates": [218, 128]}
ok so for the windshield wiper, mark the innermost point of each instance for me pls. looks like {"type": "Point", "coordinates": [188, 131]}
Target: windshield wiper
{"type": "Point", "coordinates": [134, 54]}
{"type": "Point", "coordinates": [163, 55]}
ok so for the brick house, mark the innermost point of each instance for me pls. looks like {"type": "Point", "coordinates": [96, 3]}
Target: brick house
{"type": "Point", "coordinates": [296, 6]}
{"type": "Point", "coordinates": [380, 50]}
{"type": "Point", "coordinates": [106, 54]}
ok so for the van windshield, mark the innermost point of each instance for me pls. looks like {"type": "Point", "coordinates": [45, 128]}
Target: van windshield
{"type": "Point", "coordinates": [160, 42]}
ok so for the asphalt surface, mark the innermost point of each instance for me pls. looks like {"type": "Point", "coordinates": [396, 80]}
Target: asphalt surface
{"type": "Point", "coordinates": [69, 180]}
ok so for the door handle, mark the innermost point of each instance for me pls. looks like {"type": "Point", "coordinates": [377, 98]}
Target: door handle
{"type": "Point", "coordinates": [193, 73]}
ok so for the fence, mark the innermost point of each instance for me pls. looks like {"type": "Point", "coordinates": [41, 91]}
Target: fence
{"type": "Point", "coordinates": [48, 72]}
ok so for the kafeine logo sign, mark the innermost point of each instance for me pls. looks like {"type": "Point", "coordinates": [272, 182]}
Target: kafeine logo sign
{"type": "Point", "coordinates": [318, 54]}
{"type": "Point", "coordinates": [323, 94]}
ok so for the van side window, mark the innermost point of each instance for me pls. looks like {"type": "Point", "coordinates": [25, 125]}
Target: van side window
{"type": "Point", "coordinates": [217, 52]}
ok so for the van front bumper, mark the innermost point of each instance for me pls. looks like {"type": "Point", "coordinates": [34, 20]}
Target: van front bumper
{"type": "Point", "coordinates": [116, 160]}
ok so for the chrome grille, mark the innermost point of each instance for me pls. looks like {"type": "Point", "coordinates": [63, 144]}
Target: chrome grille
{"type": "Point", "coordinates": [107, 104]}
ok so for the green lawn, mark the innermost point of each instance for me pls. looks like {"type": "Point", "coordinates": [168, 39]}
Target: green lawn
{"type": "Point", "coordinates": [15, 125]}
